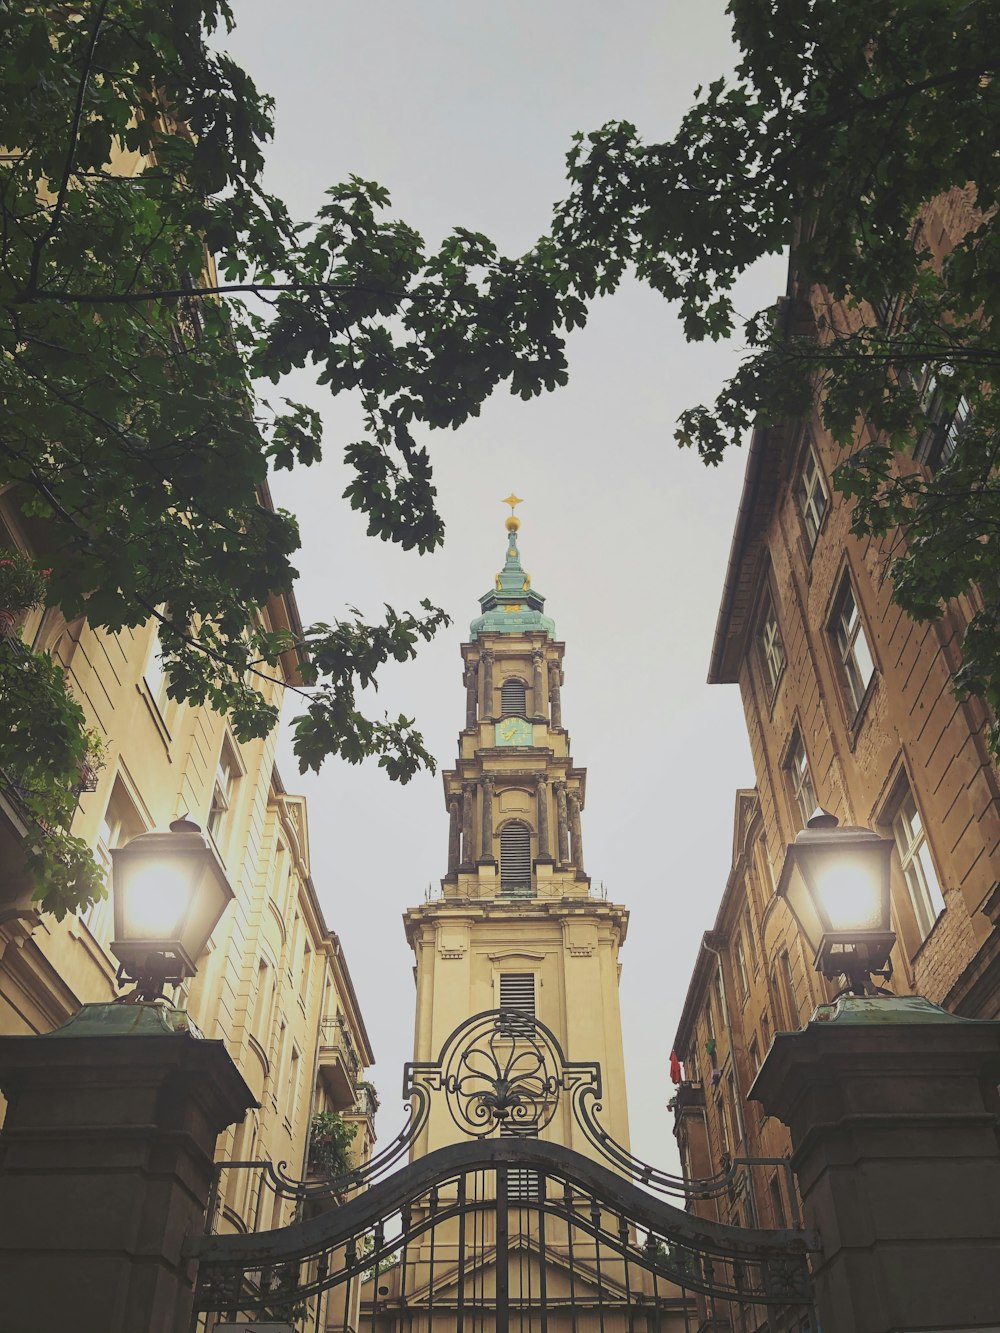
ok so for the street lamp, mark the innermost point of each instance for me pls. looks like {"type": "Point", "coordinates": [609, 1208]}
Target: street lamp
{"type": "Point", "coordinates": [836, 884]}
{"type": "Point", "coordinates": [169, 890]}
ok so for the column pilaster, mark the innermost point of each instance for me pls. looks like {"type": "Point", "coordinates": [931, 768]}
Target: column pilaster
{"type": "Point", "coordinates": [576, 830]}
{"type": "Point", "coordinates": [555, 700]}
{"type": "Point", "coordinates": [487, 674]}
{"type": "Point", "coordinates": [454, 832]}
{"type": "Point", "coordinates": [471, 689]}
{"type": "Point", "coordinates": [538, 685]}
{"type": "Point", "coordinates": [468, 849]}
{"type": "Point", "coordinates": [562, 823]}
{"type": "Point", "coordinates": [542, 803]}
{"type": "Point", "coordinates": [486, 841]}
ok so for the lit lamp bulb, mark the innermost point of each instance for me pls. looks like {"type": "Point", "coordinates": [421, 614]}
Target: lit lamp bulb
{"type": "Point", "coordinates": [836, 883]}
{"type": "Point", "coordinates": [170, 890]}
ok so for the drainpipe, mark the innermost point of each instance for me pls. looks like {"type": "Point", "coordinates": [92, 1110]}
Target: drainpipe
{"type": "Point", "coordinates": [732, 1056]}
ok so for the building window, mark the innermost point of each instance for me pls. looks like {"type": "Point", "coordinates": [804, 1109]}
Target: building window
{"type": "Point", "coordinates": [799, 778]}
{"type": "Point", "coordinates": [726, 1132]}
{"type": "Point", "coordinates": [120, 824]}
{"type": "Point", "coordinates": [791, 1001]}
{"type": "Point", "coordinates": [772, 650]}
{"type": "Point", "coordinates": [812, 495]}
{"type": "Point", "coordinates": [515, 860]}
{"type": "Point", "coordinates": [734, 1096]}
{"type": "Point", "coordinates": [155, 677]}
{"type": "Point", "coordinates": [945, 428]}
{"type": "Point", "coordinates": [517, 992]}
{"type": "Point", "coordinates": [918, 868]}
{"type": "Point", "coordinates": [765, 1033]}
{"type": "Point", "coordinates": [852, 647]}
{"type": "Point", "coordinates": [741, 964]}
{"type": "Point", "coordinates": [720, 996]}
{"type": "Point", "coordinates": [513, 698]}
{"type": "Point", "coordinates": [753, 1051]}
{"type": "Point", "coordinates": [226, 777]}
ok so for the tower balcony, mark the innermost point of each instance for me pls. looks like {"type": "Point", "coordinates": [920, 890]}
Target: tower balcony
{"type": "Point", "coordinates": [339, 1062]}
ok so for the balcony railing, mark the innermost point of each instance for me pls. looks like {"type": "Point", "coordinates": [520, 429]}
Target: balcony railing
{"type": "Point", "coordinates": [335, 1038]}
{"type": "Point", "coordinates": [367, 1100]}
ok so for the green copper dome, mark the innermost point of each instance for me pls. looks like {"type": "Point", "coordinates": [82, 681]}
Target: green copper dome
{"type": "Point", "coordinates": [512, 606]}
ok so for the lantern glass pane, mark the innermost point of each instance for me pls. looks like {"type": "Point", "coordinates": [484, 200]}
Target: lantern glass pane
{"type": "Point", "coordinates": [159, 896]}
{"type": "Point", "coordinates": [848, 891]}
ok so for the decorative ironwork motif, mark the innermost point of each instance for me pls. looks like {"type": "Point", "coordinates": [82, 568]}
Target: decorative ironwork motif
{"type": "Point", "coordinates": [504, 1069]}
{"type": "Point", "coordinates": [501, 1069]}
{"type": "Point", "coordinates": [502, 1211]}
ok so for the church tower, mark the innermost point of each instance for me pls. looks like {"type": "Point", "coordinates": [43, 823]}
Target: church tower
{"type": "Point", "coordinates": [517, 925]}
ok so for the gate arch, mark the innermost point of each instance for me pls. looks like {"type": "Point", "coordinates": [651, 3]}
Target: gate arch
{"type": "Point", "coordinates": [492, 1230]}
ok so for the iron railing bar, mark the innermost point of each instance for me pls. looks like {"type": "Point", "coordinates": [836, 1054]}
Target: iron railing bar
{"type": "Point", "coordinates": [543, 1290]}
{"type": "Point", "coordinates": [502, 1252]}
{"type": "Point", "coordinates": [460, 1316]}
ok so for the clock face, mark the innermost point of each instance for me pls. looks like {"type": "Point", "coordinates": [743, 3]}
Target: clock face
{"type": "Point", "coordinates": [514, 731]}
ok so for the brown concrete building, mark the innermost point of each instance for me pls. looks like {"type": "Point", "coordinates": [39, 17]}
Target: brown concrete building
{"type": "Point", "coordinates": [849, 705]}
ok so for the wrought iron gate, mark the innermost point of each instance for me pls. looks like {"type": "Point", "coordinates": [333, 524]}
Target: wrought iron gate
{"type": "Point", "coordinates": [505, 1230]}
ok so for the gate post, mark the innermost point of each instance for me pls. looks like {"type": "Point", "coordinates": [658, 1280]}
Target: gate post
{"type": "Point", "coordinates": [106, 1160]}
{"type": "Point", "coordinates": [893, 1108]}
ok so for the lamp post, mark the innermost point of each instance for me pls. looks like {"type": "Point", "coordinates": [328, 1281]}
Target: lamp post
{"type": "Point", "coordinates": [170, 891]}
{"type": "Point", "coordinates": [107, 1152]}
{"type": "Point", "coordinates": [836, 884]}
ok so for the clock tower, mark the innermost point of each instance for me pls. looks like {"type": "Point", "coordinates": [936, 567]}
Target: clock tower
{"type": "Point", "coordinates": [517, 925]}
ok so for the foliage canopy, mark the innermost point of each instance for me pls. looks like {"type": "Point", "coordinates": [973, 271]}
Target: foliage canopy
{"type": "Point", "coordinates": [132, 368]}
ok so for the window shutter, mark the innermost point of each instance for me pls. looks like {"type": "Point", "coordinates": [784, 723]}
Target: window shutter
{"type": "Point", "coordinates": [515, 860]}
{"type": "Point", "coordinates": [517, 991]}
{"type": "Point", "coordinates": [512, 698]}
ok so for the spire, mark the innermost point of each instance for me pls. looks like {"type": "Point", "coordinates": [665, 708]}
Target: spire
{"type": "Point", "coordinates": [512, 606]}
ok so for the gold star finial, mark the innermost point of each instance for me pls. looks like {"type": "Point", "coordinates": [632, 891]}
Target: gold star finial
{"type": "Point", "coordinates": [513, 501]}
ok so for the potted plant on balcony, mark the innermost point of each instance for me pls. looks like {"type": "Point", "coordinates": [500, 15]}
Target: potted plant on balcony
{"type": "Point", "coordinates": [22, 587]}
{"type": "Point", "coordinates": [330, 1141]}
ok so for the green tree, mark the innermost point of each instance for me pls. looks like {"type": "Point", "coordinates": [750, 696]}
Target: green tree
{"type": "Point", "coordinates": [133, 371]}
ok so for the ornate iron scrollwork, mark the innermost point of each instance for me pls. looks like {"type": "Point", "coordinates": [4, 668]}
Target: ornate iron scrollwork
{"type": "Point", "coordinates": [501, 1069]}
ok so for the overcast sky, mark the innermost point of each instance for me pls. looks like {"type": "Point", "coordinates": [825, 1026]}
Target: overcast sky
{"type": "Point", "coordinates": [464, 111]}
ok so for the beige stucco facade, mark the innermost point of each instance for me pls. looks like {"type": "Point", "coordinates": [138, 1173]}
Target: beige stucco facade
{"type": "Point", "coordinates": [273, 983]}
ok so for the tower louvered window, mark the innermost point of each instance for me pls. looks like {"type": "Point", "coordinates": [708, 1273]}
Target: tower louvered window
{"type": "Point", "coordinates": [517, 992]}
{"type": "Point", "coordinates": [523, 1185]}
{"type": "Point", "coordinates": [515, 860]}
{"type": "Point", "coordinates": [512, 698]}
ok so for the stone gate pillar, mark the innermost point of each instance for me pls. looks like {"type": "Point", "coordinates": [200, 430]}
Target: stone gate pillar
{"type": "Point", "coordinates": [106, 1160]}
{"type": "Point", "coordinates": [893, 1109]}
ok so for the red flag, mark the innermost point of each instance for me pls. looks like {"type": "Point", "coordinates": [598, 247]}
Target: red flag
{"type": "Point", "coordinates": [675, 1068]}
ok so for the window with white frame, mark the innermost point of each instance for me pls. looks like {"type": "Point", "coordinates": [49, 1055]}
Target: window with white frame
{"type": "Point", "coordinates": [155, 675]}
{"type": "Point", "coordinates": [800, 782]}
{"type": "Point", "coordinates": [944, 428]}
{"type": "Point", "coordinates": [120, 824]}
{"type": "Point", "coordinates": [812, 495]}
{"type": "Point", "coordinates": [852, 647]}
{"type": "Point", "coordinates": [918, 868]}
{"type": "Point", "coordinates": [223, 791]}
{"type": "Point", "coordinates": [772, 650]}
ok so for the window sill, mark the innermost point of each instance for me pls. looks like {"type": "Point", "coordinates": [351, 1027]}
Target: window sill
{"type": "Point", "coordinates": [929, 936]}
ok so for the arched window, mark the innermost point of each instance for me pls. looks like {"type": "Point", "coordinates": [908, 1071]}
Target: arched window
{"type": "Point", "coordinates": [515, 860]}
{"type": "Point", "coordinates": [512, 698]}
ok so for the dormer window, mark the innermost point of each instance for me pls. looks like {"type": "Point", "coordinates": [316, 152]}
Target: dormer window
{"type": "Point", "coordinates": [513, 699]}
